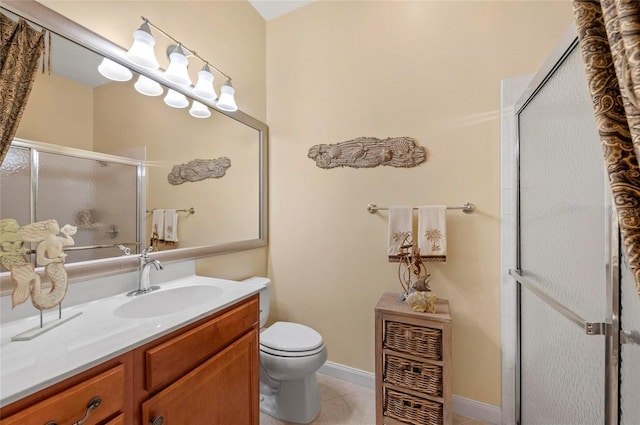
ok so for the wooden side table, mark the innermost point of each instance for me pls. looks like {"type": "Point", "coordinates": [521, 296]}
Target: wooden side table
{"type": "Point", "coordinates": [413, 364]}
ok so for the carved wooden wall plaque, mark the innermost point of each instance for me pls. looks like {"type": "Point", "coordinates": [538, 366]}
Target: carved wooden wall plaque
{"type": "Point", "coordinates": [199, 169]}
{"type": "Point", "coordinates": [366, 152]}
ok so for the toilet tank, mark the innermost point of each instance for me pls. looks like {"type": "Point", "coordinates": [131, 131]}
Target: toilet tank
{"type": "Point", "coordinates": [265, 297]}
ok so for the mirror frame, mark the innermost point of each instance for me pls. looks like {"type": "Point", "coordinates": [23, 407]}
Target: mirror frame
{"type": "Point", "coordinates": [52, 21]}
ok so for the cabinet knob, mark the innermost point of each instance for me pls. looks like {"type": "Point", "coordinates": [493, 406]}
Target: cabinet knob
{"type": "Point", "coordinates": [94, 403]}
{"type": "Point", "coordinates": [158, 420]}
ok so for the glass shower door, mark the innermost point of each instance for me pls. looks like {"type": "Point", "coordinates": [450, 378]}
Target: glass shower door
{"type": "Point", "coordinates": [98, 197]}
{"type": "Point", "coordinates": [563, 252]}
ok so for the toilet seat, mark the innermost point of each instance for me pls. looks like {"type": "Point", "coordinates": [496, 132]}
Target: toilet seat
{"type": "Point", "coordinates": [279, 353]}
{"type": "Point", "coordinates": [286, 339]}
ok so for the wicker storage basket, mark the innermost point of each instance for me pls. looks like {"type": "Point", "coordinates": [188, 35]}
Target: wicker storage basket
{"type": "Point", "coordinates": [416, 340]}
{"type": "Point", "coordinates": [413, 410]}
{"type": "Point", "coordinates": [413, 375]}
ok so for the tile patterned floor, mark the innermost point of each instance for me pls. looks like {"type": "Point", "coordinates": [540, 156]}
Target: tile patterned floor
{"type": "Point", "coordinates": [345, 403]}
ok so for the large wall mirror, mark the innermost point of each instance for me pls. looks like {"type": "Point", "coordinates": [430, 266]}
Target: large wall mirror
{"type": "Point", "coordinates": [124, 145]}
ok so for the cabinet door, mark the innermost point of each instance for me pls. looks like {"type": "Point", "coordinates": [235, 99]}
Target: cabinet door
{"type": "Point", "coordinates": [222, 391]}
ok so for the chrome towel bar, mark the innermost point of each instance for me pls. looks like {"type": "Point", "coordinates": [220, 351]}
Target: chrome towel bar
{"type": "Point", "coordinates": [467, 208]}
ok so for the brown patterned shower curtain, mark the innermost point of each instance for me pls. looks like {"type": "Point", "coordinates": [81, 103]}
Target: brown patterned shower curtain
{"type": "Point", "coordinates": [609, 40]}
{"type": "Point", "coordinates": [20, 49]}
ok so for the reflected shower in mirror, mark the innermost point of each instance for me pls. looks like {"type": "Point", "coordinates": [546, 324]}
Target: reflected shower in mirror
{"type": "Point", "coordinates": [75, 107]}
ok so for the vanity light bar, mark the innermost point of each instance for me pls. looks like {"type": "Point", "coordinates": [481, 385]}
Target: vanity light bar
{"type": "Point", "coordinates": [190, 52]}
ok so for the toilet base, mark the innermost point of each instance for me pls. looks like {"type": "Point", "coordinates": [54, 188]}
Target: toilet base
{"type": "Point", "coordinates": [295, 401]}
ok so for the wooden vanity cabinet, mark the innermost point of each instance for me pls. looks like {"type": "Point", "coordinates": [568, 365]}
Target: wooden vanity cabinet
{"type": "Point", "coordinates": [207, 373]}
{"type": "Point", "coordinates": [204, 373]}
{"type": "Point", "coordinates": [67, 402]}
{"type": "Point", "coordinates": [223, 390]}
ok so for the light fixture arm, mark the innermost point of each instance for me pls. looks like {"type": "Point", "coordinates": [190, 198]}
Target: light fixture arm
{"type": "Point", "coordinates": [185, 48]}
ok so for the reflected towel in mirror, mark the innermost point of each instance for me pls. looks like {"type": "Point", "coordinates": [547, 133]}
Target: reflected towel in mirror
{"type": "Point", "coordinates": [157, 224]}
{"type": "Point", "coordinates": [171, 225]}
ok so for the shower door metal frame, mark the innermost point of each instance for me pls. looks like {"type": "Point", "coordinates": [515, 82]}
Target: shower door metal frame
{"type": "Point", "coordinates": [610, 328]}
{"type": "Point", "coordinates": [35, 148]}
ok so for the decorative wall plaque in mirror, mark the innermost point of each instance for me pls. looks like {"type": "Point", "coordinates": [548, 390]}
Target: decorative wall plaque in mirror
{"type": "Point", "coordinates": [116, 148]}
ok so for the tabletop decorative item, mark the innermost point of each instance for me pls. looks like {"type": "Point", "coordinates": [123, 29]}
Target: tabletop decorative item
{"type": "Point", "coordinates": [28, 283]}
{"type": "Point", "coordinates": [414, 279]}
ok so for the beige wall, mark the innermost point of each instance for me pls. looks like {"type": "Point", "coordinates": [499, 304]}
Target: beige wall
{"type": "Point", "coordinates": [232, 36]}
{"type": "Point", "coordinates": [45, 121]}
{"type": "Point", "coordinates": [427, 70]}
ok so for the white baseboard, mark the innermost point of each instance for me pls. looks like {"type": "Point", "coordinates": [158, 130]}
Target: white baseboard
{"type": "Point", "coordinates": [461, 406]}
{"type": "Point", "coordinates": [346, 373]}
{"type": "Point", "coordinates": [477, 410]}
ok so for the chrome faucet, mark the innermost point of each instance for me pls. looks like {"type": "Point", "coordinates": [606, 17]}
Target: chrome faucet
{"type": "Point", "coordinates": [145, 266]}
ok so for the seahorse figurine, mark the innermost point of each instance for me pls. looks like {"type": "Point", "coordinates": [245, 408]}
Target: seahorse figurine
{"type": "Point", "coordinates": [49, 254]}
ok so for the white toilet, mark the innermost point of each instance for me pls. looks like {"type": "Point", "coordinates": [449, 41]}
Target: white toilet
{"type": "Point", "coordinates": [290, 355]}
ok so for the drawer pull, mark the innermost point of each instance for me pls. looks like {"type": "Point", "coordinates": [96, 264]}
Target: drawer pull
{"type": "Point", "coordinates": [159, 420]}
{"type": "Point", "coordinates": [93, 404]}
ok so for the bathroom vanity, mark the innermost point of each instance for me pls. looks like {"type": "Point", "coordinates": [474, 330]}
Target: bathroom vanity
{"type": "Point", "coordinates": [413, 363]}
{"type": "Point", "coordinates": [198, 370]}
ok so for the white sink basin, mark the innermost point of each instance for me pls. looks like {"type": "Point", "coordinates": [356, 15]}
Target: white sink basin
{"type": "Point", "coordinates": [167, 301]}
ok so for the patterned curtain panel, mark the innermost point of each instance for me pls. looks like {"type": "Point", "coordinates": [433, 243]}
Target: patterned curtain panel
{"type": "Point", "coordinates": [609, 39]}
{"type": "Point", "coordinates": [20, 51]}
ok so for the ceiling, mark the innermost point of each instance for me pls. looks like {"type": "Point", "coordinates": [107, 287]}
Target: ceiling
{"type": "Point", "coordinates": [270, 9]}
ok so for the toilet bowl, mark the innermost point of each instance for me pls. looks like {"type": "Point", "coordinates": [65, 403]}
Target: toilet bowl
{"type": "Point", "coordinates": [290, 355]}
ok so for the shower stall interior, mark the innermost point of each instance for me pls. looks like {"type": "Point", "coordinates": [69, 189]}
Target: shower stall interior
{"type": "Point", "coordinates": [103, 195]}
{"type": "Point", "coordinates": [577, 309]}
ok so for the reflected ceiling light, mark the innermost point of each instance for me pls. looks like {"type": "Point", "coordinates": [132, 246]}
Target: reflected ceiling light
{"type": "Point", "coordinates": [141, 51]}
{"type": "Point", "coordinates": [147, 86]}
{"type": "Point", "coordinates": [227, 101]}
{"type": "Point", "coordinates": [198, 110]}
{"type": "Point", "coordinates": [175, 99]}
{"type": "Point", "coordinates": [114, 71]}
{"type": "Point", "coordinates": [177, 71]}
{"type": "Point", "coordinates": [204, 86]}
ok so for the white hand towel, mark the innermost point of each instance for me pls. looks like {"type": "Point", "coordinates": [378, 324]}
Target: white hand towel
{"type": "Point", "coordinates": [157, 224]}
{"type": "Point", "coordinates": [170, 226]}
{"type": "Point", "coordinates": [400, 230]}
{"type": "Point", "coordinates": [432, 233]}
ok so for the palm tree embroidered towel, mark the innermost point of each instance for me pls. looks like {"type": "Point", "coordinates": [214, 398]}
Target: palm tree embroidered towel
{"type": "Point", "coordinates": [432, 233]}
{"type": "Point", "coordinates": [157, 224]}
{"type": "Point", "coordinates": [171, 226]}
{"type": "Point", "coordinates": [400, 230]}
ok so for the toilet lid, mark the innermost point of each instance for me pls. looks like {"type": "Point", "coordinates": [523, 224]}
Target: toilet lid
{"type": "Point", "coordinates": [286, 336]}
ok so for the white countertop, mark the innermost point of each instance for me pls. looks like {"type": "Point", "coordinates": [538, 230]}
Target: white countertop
{"type": "Point", "coordinates": [95, 336]}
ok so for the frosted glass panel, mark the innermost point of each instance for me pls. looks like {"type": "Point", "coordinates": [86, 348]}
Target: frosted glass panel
{"type": "Point", "coordinates": [96, 196]}
{"type": "Point", "coordinates": [563, 251]}
{"type": "Point", "coordinates": [629, 354]}
{"type": "Point", "coordinates": [15, 185]}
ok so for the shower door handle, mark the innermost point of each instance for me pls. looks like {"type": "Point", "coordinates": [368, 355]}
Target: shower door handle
{"type": "Point", "coordinates": [590, 328]}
